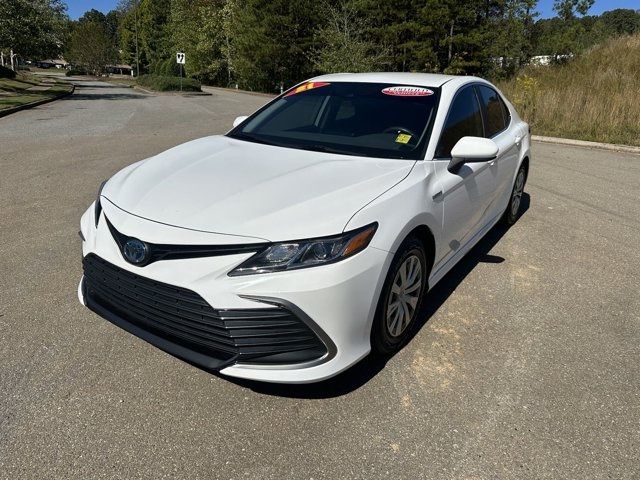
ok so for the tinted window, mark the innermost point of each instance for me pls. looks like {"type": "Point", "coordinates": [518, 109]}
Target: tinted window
{"type": "Point", "coordinates": [296, 115]}
{"type": "Point", "coordinates": [506, 113]}
{"type": "Point", "coordinates": [494, 110]}
{"type": "Point", "coordinates": [464, 120]}
{"type": "Point", "coordinates": [347, 117]}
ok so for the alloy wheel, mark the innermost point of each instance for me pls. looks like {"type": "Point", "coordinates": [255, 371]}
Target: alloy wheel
{"type": "Point", "coordinates": [404, 296]}
{"type": "Point", "coordinates": [517, 193]}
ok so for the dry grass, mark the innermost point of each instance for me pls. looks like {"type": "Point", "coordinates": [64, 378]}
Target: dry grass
{"type": "Point", "coordinates": [594, 97]}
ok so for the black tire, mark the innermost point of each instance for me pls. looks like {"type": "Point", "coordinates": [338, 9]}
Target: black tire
{"type": "Point", "coordinates": [512, 213]}
{"type": "Point", "coordinates": [383, 339]}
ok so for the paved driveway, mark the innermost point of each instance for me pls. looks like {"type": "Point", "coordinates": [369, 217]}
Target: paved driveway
{"type": "Point", "coordinates": [527, 365]}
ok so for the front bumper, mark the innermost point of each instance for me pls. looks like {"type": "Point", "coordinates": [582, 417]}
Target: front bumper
{"type": "Point", "coordinates": [330, 308]}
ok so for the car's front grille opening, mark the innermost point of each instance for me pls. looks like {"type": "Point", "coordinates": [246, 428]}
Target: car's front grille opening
{"type": "Point", "coordinates": [182, 317]}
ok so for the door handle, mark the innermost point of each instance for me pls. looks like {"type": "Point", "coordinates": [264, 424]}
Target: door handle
{"type": "Point", "coordinates": [518, 139]}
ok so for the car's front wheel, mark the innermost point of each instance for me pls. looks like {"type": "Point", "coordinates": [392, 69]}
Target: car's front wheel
{"type": "Point", "coordinates": [400, 298]}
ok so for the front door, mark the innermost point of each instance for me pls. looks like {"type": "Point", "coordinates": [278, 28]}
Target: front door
{"type": "Point", "coordinates": [468, 193]}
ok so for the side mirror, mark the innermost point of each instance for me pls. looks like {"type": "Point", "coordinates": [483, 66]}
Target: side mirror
{"type": "Point", "coordinates": [472, 149]}
{"type": "Point", "coordinates": [239, 120]}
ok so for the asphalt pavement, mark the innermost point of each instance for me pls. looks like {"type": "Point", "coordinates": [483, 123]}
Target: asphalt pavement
{"type": "Point", "coordinates": [527, 365]}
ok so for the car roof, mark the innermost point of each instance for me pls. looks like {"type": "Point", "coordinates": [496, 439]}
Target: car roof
{"type": "Point", "coordinates": [421, 79]}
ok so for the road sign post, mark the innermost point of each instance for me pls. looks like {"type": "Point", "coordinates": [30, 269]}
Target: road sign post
{"type": "Point", "coordinates": [180, 59]}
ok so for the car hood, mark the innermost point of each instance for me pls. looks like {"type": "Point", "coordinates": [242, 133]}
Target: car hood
{"type": "Point", "coordinates": [228, 186]}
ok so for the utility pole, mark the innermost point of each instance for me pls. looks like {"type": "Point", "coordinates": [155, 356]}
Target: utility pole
{"type": "Point", "coordinates": [135, 5]}
{"type": "Point", "coordinates": [450, 42]}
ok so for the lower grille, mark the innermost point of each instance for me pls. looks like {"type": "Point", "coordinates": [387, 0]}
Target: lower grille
{"type": "Point", "coordinates": [182, 317]}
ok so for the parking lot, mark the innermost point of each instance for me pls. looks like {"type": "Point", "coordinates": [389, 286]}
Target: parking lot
{"type": "Point", "coordinates": [527, 365]}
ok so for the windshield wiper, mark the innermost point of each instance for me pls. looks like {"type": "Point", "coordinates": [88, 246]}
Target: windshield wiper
{"type": "Point", "coordinates": [326, 149]}
{"type": "Point", "coordinates": [252, 138]}
{"type": "Point", "coordinates": [312, 147]}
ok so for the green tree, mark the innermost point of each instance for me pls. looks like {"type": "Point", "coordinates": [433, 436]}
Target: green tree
{"type": "Point", "coordinates": [343, 46]}
{"type": "Point", "coordinates": [511, 24]}
{"type": "Point", "coordinates": [32, 28]}
{"type": "Point", "coordinates": [110, 21]}
{"type": "Point", "coordinates": [228, 49]}
{"type": "Point", "coordinates": [197, 29]}
{"type": "Point", "coordinates": [567, 34]}
{"type": "Point", "coordinates": [128, 33]}
{"type": "Point", "coordinates": [621, 21]}
{"type": "Point", "coordinates": [271, 40]}
{"type": "Point", "coordinates": [155, 40]}
{"type": "Point", "coordinates": [112, 24]}
{"type": "Point", "coordinates": [144, 25]}
{"type": "Point", "coordinates": [91, 46]}
{"type": "Point", "coordinates": [93, 15]}
{"type": "Point", "coordinates": [468, 38]}
{"type": "Point", "coordinates": [263, 44]}
{"type": "Point", "coordinates": [433, 35]}
{"type": "Point", "coordinates": [569, 9]}
{"type": "Point", "coordinates": [409, 29]}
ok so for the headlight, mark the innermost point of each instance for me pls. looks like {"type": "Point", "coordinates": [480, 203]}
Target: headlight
{"type": "Point", "coordinates": [307, 253]}
{"type": "Point", "coordinates": [97, 209]}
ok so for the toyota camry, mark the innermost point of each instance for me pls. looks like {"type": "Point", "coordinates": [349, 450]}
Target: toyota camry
{"type": "Point", "coordinates": [307, 236]}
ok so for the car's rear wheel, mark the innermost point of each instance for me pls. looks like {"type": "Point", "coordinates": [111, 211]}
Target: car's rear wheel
{"type": "Point", "coordinates": [400, 298]}
{"type": "Point", "coordinates": [515, 201]}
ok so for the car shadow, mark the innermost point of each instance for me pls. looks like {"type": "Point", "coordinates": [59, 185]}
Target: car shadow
{"type": "Point", "coordinates": [370, 366]}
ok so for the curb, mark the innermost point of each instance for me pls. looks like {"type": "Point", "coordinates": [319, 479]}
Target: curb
{"type": "Point", "coordinates": [9, 111]}
{"type": "Point", "coordinates": [144, 90]}
{"type": "Point", "coordinates": [582, 143]}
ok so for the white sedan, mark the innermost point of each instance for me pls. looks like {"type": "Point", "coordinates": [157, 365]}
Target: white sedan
{"type": "Point", "coordinates": [306, 237]}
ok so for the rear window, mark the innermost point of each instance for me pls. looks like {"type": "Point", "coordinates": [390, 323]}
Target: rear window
{"type": "Point", "coordinates": [494, 110]}
{"type": "Point", "coordinates": [365, 119]}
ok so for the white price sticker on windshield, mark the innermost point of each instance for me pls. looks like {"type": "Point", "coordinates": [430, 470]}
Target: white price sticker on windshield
{"type": "Point", "coordinates": [407, 91]}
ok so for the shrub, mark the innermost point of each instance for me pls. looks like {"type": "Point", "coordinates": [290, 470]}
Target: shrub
{"type": "Point", "coordinates": [163, 83]}
{"type": "Point", "coordinates": [6, 72]}
{"type": "Point", "coordinates": [75, 71]}
{"type": "Point", "coordinates": [171, 68]}
{"type": "Point", "coordinates": [166, 68]}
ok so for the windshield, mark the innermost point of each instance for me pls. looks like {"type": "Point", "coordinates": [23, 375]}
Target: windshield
{"type": "Point", "coordinates": [366, 119]}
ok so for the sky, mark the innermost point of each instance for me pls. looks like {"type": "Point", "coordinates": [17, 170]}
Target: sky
{"type": "Point", "coordinates": [545, 7]}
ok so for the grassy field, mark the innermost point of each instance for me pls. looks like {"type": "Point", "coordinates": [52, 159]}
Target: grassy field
{"type": "Point", "coordinates": [593, 97]}
{"type": "Point", "coordinates": [27, 88]}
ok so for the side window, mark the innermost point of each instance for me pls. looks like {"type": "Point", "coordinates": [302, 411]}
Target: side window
{"type": "Point", "coordinates": [494, 111]}
{"type": "Point", "coordinates": [464, 120]}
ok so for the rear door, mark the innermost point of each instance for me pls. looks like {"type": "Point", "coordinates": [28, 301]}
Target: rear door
{"type": "Point", "coordinates": [468, 193]}
{"type": "Point", "coordinates": [499, 128]}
